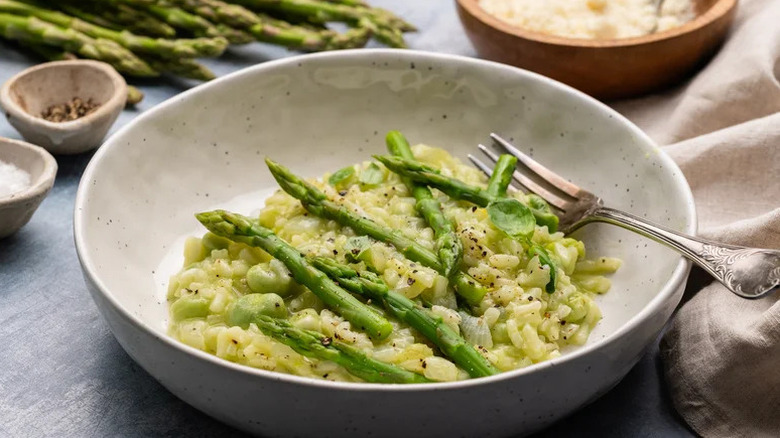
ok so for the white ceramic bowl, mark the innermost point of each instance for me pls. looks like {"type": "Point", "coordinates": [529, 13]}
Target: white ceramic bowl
{"type": "Point", "coordinates": [205, 148]}
{"type": "Point", "coordinates": [16, 209]}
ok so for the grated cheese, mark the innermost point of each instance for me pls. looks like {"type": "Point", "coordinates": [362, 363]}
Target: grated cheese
{"type": "Point", "coordinates": [591, 19]}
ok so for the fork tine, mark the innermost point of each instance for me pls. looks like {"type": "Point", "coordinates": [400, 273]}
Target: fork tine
{"type": "Point", "coordinates": [545, 173]}
{"type": "Point", "coordinates": [487, 170]}
{"type": "Point", "coordinates": [522, 179]}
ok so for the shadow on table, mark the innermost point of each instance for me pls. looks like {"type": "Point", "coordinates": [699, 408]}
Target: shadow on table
{"type": "Point", "coordinates": [637, 406]}
{"type": "Point", "coordinates": [143, 407]}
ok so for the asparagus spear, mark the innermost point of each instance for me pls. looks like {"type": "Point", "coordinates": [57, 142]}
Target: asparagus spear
{"type": "Point", "coordinates": [33, 30]}
{"type": "Point", "coordinates": [351, 39]}
{"type": "Point", "coordinates": [448, 244]}
{"type": "Point", "coordinates": [176, 17]}
{"type": "Point", "coordinates": [319, 205]}
{"type": "Point", "coordinates": [241, 229]}
{"type": "Point", "coordinates": [502, 175]}
{"type": "Point", "coordinates": [497, 186]}
{"type": "Point", "coordinates": [120, 17]}
{"type": "Point", "coordinates": [387, 35]}
{"type": "Point", "coordinates": [218, 11]}
{"type": "Point", "coordinates": [271, 30]}
{"type": "Point", "coordinates": [146, 24]}
{"type": "Point", "coordinates": [89, 17]}
{"type": "Point", "coordinates": [499, 180]}
{"type": "Point", "coordinates": [233, 35]}
{"type": "Point", "coordinates": [48, 53]}
{"type": "Point", "coordinates": [184, 67]}
{"type": "Point", "coordinates": [140, 44]}
{"type": "Point", "coordinates": [134, 95]}
{"type": "Point", "coordinates": [349, 2]}
{"type": "Point", "coordinates": [457, 189]}
{"type": "Point", "coordinates": [385, 26]}
{"type": "Point", "coordinates": [432, 327]}
{"type": "Point", "coordinates": [314, 344]}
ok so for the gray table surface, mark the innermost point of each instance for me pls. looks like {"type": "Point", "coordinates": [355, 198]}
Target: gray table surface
{"type": "Point", "coordinates": [62, 373]}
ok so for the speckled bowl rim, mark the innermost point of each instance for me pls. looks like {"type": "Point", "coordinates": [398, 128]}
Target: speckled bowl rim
{"type": "Point", "coordinates": [717, 10]}
{"type": "Point", "coordinates": [105, 109]}
{"type": "Point", "coordinates": [42, 184]}
{"type": "Point", "coordinates": [679, 275]}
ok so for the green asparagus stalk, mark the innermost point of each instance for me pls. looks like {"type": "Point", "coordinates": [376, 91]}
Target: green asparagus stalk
{"type": "Point", "coordinates": [394, 20]}
{"type": "Point", "coordinates": [448, 244]}
{"type": "Point", "coordinates": [432, 327]}
{"type": "Point", "coordinates": [141, 23]}
{"type": "Point", "coordinates": [184, 67]}
{"type": "Point", "coordinates": [48, 53]}
{"type": "Point", "coordinates": [120, 17]}
{"type": "Point", "coordinates": [33, 30]}
{"type": "Point", "coordinates": [241, 229]}
{"type": "Point", "coordinates": [457, 189]}
{"type": "Point", "coordinates": [502, 175]}
{"type": "Point", "coordinates": [176, 17]}
{"type": "Point", "coordinates": [497, 186]}
{"type": "Point", "coordinates": [88, 17]}
{"type": "Point", "coordinates": [349, 2]}
{"type": "Point", "coordinates": [390, 36]}
{"type": "Point", "coordinates": [319, 205]}
{"type": "Point", "coordinates": [218, 11]}
{"type": "Point", "coordinates": [351, 39]}
{"type": "Point", "coordinates": [427, 175]}
{"type": "Point", "coordinates": [134, 95]}
{"type": "Point", "coordinates": [233, 35]}
{"type": "Point", "coordinates": [314, 344]}
{"type": "Point", "coordinates": [267, 29]}
{"type": "Point", "coordinates": [275, 31]}
{"type": "Point", "coordinates": [139, 44]}
{"type": "Point", "coordinates": [499, 181]}
{"type": "Point", "coordinates": [386, 27]}
{"type": "Point", "coordinates": [333, 11]}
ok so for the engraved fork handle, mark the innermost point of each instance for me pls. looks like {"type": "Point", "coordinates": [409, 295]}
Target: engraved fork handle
{"type": "Point", "coordinates": [748, 272]}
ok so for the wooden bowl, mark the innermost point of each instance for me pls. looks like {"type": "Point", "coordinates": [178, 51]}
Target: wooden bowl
{"type": "Point", "coordinates": [605, 69]}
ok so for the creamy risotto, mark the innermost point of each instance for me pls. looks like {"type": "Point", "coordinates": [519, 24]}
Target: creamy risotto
{"type": "Point", "coordinates": [517, 323]}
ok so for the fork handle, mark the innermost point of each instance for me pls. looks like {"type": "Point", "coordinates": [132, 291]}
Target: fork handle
{"type": "Point", "coordinates": [748, 272]}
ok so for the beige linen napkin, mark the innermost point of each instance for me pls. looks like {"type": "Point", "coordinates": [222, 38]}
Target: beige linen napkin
{"type": "Point", "coordinates": [721, 353]}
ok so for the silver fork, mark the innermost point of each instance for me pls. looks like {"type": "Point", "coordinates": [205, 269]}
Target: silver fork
{"type": "Point", "coordinates": [748, 272]}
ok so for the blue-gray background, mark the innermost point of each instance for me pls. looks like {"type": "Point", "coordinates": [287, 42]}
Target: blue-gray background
{"type": "Point", "coordinates": [63, 374]}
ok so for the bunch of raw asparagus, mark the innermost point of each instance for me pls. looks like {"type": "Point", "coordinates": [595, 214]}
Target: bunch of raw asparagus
{"type": "Point", "coordinates": [145, 38]}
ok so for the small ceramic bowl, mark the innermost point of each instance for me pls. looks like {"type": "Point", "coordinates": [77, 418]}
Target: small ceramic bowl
{"type": "Point", "coordinates": [605, 69]}
{"type": "Point", "coordinates": [32, 91]}
{"type": "Point", "coordinates": [17, 208]}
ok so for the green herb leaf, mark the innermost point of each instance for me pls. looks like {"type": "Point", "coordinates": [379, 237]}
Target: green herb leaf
{"type": "Point", "coordinates": [341, 176]}
{"type": "Point", "coordinates": [372, 175]}
{"type": "Point", "coordinates": [512, 217]}
{"type": "Point", "coordinates": [544, 258]}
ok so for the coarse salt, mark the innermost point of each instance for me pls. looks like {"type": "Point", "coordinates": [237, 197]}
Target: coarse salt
{"type": "Point", "coordinates": [591, 19]}
{"type": "Point", "coordinates": [12, 179]}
